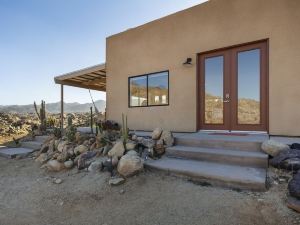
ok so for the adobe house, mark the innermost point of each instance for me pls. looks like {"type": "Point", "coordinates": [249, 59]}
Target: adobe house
{"type": "Point", "coordinates": [220, 65]}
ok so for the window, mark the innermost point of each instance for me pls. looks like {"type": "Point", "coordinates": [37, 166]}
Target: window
{"type": "Point", "coordinates": [149, 90]}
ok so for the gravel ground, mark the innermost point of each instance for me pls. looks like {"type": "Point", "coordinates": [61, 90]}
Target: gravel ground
{"type": "Point", "coordinates": [28, 196]}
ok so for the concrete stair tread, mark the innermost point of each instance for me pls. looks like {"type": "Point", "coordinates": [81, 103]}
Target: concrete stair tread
{"type": "Point", "coordinates": [214, 173]}
{"type": "Point", "coordinates": [217, 151]}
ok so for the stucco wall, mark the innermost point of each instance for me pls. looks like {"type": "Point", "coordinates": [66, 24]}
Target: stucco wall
{"type": "Point", "coordinates": [165, 44]}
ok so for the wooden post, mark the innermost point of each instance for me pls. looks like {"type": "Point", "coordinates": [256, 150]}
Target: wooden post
{"type": "Point", "coordinates": [62, 108]}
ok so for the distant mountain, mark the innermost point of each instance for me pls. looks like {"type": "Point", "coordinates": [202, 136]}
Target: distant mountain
{"type": "Point", "coordinates": [54, 107]}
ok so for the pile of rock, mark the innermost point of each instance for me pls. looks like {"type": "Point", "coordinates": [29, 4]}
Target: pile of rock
{"type": "Point", "coordinates": [288, 158]}
{"type": "Point", "coordinates": [106, 151]}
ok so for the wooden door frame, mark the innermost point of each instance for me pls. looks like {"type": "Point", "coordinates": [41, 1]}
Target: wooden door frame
{"type": "Point", "coordinates": [198, 80]}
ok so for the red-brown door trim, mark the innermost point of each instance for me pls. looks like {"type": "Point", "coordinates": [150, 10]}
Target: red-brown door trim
{"type": "Point", "coordinates": [264, 45]}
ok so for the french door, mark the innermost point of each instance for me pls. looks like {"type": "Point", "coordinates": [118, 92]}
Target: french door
{"type": "Point", "coordinates": [233, 88]}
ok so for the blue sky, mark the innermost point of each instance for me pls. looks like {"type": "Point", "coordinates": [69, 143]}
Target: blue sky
{"type": "Point", "coordinates": [40, 39]}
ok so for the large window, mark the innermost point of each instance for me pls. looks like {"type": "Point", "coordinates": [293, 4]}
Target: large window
{"type": "Point", "coordinates": [149, 90]}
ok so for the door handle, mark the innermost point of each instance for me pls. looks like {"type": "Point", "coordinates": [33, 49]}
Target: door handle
{"type": "Point", "coordinates": [226, 98]}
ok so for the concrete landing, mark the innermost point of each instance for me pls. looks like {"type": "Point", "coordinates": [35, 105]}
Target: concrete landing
{"type": "Point", "coordinates": [13, 152]}
{"type": "Point", "coordinates": [230, 176]}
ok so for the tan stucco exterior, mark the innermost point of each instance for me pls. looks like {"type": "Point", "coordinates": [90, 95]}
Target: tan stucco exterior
{"type": "Point", "coordinates": [165, 44]}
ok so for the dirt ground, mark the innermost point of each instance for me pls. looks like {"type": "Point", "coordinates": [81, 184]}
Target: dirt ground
{"type": "Point", "coordinates": [28, 196]}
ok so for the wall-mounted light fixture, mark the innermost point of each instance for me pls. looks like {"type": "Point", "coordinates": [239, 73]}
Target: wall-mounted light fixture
{"type": "Point", "coordinates": [188, 62]}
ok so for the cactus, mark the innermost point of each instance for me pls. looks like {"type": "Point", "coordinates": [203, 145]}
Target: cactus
{"type": "Point", "coordinates": [41, 115]}
{"type": "Point", "coordinates": [36, 110]}
{"type": "Point", "coordinates": [70, 121]}
{"type": "Point", "coordinates": [124, 128]}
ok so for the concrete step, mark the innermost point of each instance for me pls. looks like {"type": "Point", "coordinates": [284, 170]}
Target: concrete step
{"type": "Point", "coordinates": [231, 143]}
{"type": "Point", "coordinates": [209, 173]}
{"type": "Point", "coordinates": [225, 156]}
{"type": "Point", "coordinates": [35, 145]}
{"type": "Point", "coordinates": [41, 139]}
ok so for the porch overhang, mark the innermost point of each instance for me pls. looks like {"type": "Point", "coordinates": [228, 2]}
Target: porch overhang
{"type": "Point", "coordinates": [93, 78]}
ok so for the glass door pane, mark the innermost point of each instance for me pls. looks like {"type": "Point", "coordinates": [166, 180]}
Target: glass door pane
{"type": "Point", "coordinates": [214, 74]}
{"type": "Point", "coordinates": [248, 76]}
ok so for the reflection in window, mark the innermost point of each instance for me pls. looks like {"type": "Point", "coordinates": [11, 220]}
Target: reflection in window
{"type": "Point", "coordinates": [214, 90]}
{"type": "Point", "coordinates": [158, 88]}
{"type": "Point", "coordinates": [138, 91]}
{"type": "Point", "coordinates": [249, 87]}
{"type": "Point", "coordinates": [149, 90]}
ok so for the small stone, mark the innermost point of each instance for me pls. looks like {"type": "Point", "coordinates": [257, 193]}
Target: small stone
{"type": "Point", "coordinates": [42, 158]}
{"type": "Point", "coordinates": [130, 146]}
{"type": "Point", "coordinates": [122, 191]}
{"type": "Point", "coordinates": [54, 165]}
{"type": "Point", "coordinates": [114, 161]}
{"type": "Point", "coordinates": [57, 181]}
{"type": "Point", "coordinates": [61, 145]}
{"type": "Point", "coordinates": [116, 181]}
{"type": "Point", "coordinates": [80, 149]}
{"type": "Point", "coordinates": [95, 166]}
{"type": "Point", "coordinates": [69, 164]}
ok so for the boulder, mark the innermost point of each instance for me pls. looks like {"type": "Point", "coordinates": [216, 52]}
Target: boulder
{"type": "Point", "coordinates": [114, 181]}
{"type": "Point", "coordinates": [294, 186]}
{"type": "Point", "coordinates": [167, 138]}
{"type": "Point", "coordinates": [293, 203]}
{"type": "Point", "coordinates": [61, 145]}
{"type": "Point", "coordinates": [291, 164]}
{"type": "Point", "coordinates": [287, 160]}
{"type": "Point", "coordinates": [80, 149]}
{"type": "Point", "coordinates": [117, 150]}
{"type": "Point", "coordinates": [273, 148]}
{"type": "Point", "coordinates": [156, 133]}
{"type": "Point", "coordinates": [55, 166]}
{"type": "Point", "coordinates": [43, 158]}
{"type": "Point", "coordinates": [134, 137]}
{"type": "Point", "coordinates": [130, 146]}
{"type": "Point", "coordinates": [69, 164]}
{"type": "Point", "coordinates": [130, 165]}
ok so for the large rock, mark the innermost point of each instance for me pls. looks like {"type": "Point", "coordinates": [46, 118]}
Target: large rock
{"type": "Point", "coordinates": [156, 133]}
{"type": "Point", "coordinates": [117, 150]}
{"type": "Point", "coordinates": [130, 165]}
{"type": "Point", "coordinates": [294, 186]}
{"type": "Point", "coordinates": [54, 165]}
{"type": "Point", "coordinates": [167, 138]}
{"type": "Point", "coordinates": [293, 203]}
{"type": "Point", "coordinates": [288, 160]}
{"type": "Point", "coordinates": [61, 145]}
{"type": "Point", "coordinates": [80, 149]}
{"type": "Point", "coordinates": [273, 148]}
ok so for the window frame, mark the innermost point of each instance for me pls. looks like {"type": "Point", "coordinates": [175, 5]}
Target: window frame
{"type": "Point", "coordinates": [147, 76]}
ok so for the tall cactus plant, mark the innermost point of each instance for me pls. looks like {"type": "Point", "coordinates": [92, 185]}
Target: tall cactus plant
{"type": "Point", "coordinates": [41, 115]}
{"type": "Point", "coordinates": [124, 128]}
